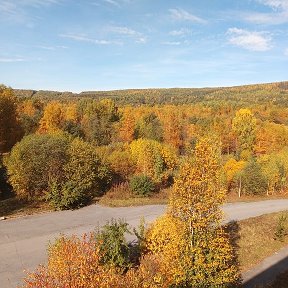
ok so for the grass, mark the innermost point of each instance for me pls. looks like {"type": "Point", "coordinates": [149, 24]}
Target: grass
{"type": "Point", "coordinates": [257, 240]}
{"type": "Point", "coordinates": [121, 196]}
{"type": "Point", "coordinates": [14, 207]}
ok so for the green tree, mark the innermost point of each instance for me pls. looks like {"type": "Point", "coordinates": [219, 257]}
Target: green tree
{"type": "Point", "coordinates": [149, 127]}
{"type": "Point", "coordinates": [253, 180]}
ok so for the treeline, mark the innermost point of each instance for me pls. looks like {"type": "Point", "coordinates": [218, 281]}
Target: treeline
{"type": "Point", "coordinates": [68, 152]}
{"type": "Point", "coordinates": [276, 93]}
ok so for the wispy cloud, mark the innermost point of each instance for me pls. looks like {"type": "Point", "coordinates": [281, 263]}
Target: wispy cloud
{"type": "Point", "coordinates": [172, 43]}
{"type": "Point", "coordinates": [113, 2]}
{"type": "Point", "coordinates": [286, 52]}
{"type": "Point", "coordinates": [16, 11]}
{"type": "Point", "coordinates": [275, 4]}
{"type": "Point", "coordinates": [183, 15]}
{"type": "Point", "coordinates": [51, 48]}
{"type": "Point", "coordinates": [128, 32]}
{"type": "Point", "coordinates": [85, 38]}
{"type": "Point", "coordinates": [250, 40]}
{"type": "Point", "coordinates": [11, 60]}
{"type": "Point", "coordinates": [180, 32]}
{"type": "Point", "coordinates": [278, 15]}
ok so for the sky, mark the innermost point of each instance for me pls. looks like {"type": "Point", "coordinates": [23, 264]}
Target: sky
{"type": "Point", "coordinates": [84, 45]}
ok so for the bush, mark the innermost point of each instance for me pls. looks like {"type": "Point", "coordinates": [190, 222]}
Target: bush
{"type": "Point", "coordinates": [34, 161]}
{"type": "Point", "coordinates": [67, 196]}
{"type": "Point", "coordinates": [142, 185]}
{"type": "Point", "coordinates": [281, 229]}
{"type": "Point", "coordinates": [113, 247]}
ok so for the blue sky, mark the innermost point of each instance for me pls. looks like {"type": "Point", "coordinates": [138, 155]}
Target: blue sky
{"type": "Point", "coordinates": [80, 45]}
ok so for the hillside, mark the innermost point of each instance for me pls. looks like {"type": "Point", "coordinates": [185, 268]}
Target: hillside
{"type": "Point", "coordinates": [276, 93]}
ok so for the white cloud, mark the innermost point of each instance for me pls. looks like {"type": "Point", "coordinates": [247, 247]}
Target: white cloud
{"type": "Point", "coordinates": [84, 38]}
{"type": "Point", "coordinates": [112, 2]}
{"type": "Point", "coordinates": [250, 40]}
{"type": "Point", "coordinates": [172, 43]}
{"type": "Point", "coordinates": [275, 4]}
{"type": "Point", "coordinates": [11, 60]}
{"type": "Point", "coordinates": [128, 32]}
{"type": "Point", "coordinates": [180, 32]}
{"type": "Point", "coordinates": [279, 15]}
{"type": "Point", "coordinates": [286, 52]}
{"type": "Point", "coordinates": [183, 15]}
{"type": "Point", "coordinates": [123, 30]}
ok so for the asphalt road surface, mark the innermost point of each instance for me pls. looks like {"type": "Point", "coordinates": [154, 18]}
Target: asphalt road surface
{"type": "Point", "coordinates": [23, 241]}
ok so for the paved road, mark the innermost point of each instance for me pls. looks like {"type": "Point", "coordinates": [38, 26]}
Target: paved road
{"type": "Point", "coordinates": [23, 241]}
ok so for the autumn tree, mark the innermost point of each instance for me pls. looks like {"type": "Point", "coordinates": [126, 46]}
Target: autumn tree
{"type": "Point", "coordinates": [244, 125]}
{"type": "Point", "coordinates": [30, 112]}
{"type": "Point", "coordinates": [199, 254]}
{"type": "Point", "coordinates": [53, 118]}
{"type": "Point", "coordinates": [153, 159]}
{"type": "Point", "coordinates": [233, 170]}
{"type": "Point", "coordinates": [10, 130]}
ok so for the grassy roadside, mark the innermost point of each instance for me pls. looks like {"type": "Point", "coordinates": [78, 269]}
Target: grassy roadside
{"type": "Point", "coordinates": [14, 207]}
{"type": "Point", "coordinates": [256, 238]}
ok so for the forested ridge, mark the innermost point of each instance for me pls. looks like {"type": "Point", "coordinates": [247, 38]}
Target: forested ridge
{"type": "Point", "coordinates": [66, 150]}
{"type": "Point", "coordinates": [276, 93]}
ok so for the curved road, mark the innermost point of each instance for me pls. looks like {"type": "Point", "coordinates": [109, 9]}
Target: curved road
{"type": "Point", "coordinates": [23, 241]}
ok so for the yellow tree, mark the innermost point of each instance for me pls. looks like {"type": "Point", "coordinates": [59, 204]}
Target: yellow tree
{"type": "Point", "coordinates": [199, 254]}
{"type": "Point", "coordinates": [232, 170]}
{"type": "Point", "coordinates": [244, 126]}
{"type": "Point", "coordinates": [53, 117]}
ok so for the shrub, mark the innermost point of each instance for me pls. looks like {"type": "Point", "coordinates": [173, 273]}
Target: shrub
{"type": "Point", "coordinates": [281, 229]}
{"type": "Point", "coordinates": [34, 161]}
{"type": "Point", "coordinates": [67, 196]}
{"type": "Point", "coordinates": [142, 185]}
{"type": "Point", "coordinates": [112, 243]}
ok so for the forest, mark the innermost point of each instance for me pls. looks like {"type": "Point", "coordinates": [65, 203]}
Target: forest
{"type": "Point", "coordinates": [67, 150]}
{"type": "Point", "coordinates": [199, 144]}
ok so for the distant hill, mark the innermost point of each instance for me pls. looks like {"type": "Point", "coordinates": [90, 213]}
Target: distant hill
{"type": "Point", "coordinates": [276, 93]}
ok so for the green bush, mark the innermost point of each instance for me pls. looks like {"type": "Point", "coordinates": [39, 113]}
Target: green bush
{"type": "Point", "coordinates": [114, 248]}
{"type": "Point", "coordinates": [67, 196]}
{"type": "Point", "coordinates": [34, 161]}
{"type": "Point", "coordinates": [142, 185]}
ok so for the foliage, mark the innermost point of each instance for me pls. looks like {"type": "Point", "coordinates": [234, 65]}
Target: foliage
{"type": "Point", "coordinates": [244, 125]}
{"type": "Point", "coordinates": [281, 228]}
{"type": "Point", "coordinates": [84, 176]}
{"type": "Point", "coordinates": [142, 185]}
{"type": "Point", "coordinates": [10, 130]}
{"type": "Point", "coordinates": [254, 181]}
{"type": "Point", "coordinates": [53, 118]}
{"type": "Point", "coordinates": [66, 196]}
{"type": "Point", "coordinates": [149, 127]}
{"type": "Point", "coordinates": [75, 263]}
{"type": "Point", "coordinates": [113, 247]}
{"type": "Point", "coordinates": [153, 159]}
{"type": "Point", "coordinates": [195, 249]}
{"type": "Point", "coordinates": [34, 161]}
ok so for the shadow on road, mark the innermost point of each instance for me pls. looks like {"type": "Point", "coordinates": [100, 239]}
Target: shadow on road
{"type": "Point", "coordinates": [269, 275]}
